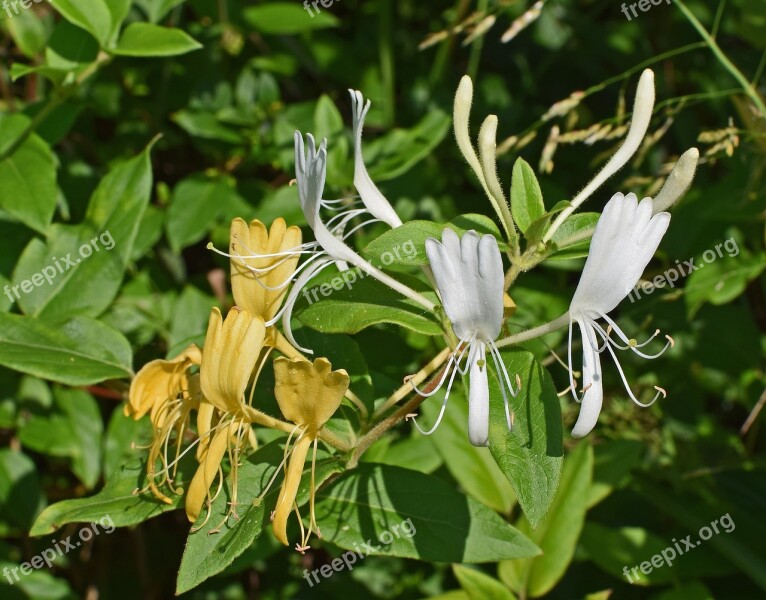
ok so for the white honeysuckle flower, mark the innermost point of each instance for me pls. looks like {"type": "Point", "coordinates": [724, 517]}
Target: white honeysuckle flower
{"type": "Point", "coordinates": [625, 239]}
{"type": "Point", "coordinates": [371, 196]}
{"type": "Point", "coordinates": [329, 247]}
{"type": "Point", "coordinates": [469, 276]}
{"type": "Point", "coordinates": [643, 107]}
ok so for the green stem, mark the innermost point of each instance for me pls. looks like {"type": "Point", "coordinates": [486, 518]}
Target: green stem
{"type": "Point", "coordinates": [535, 332]}
{"type": "Point", "coordinates": [376, 432]}
{"type": "Point", "coordinates": [59, 97]}
{"type": "Point", "coordinates": [722, 58]}
{"type": "Point", "coordinates": [52, 105]}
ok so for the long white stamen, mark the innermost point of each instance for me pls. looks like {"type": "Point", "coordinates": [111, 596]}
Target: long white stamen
{"type": "Point", "coordinates": [441, 410]}
{"type": "Point", "coordinates": [627, 385]}
{"type": "Point", "coordinates": [499, 366]}
{"type": "Point", "coordinates": [572, 382]}
{"type": "Point", "coordinates": [292, 297]}
{"type": "Point", "coordinates": [290, 278]}
{"type": "Point", "coordinates": [606, 335]}
{"type": "Point", "coordinates": [360, 226]}
{"type": "Point", "coordinates": [634, 347]}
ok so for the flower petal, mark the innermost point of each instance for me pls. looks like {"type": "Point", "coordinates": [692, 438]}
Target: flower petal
{"type": "Point", "coordinates": [625, 239]}
{"type": "Point", "coordinates": [469, 275]}
{"type": "Point", "coordinates": [478, 399]}
{"type": "Point", "coordinates": [371, 196]}
{"type": "Point", "coordinates": [591, 373]}
{"type": "Point", "coordinates": [289, 489]}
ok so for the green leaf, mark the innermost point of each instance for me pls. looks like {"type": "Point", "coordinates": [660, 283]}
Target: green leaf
{"type": "Point", "coordinates": [613, 462]}
{"type": "Point", "coordinates": [558, 533]}
{"type": "Point", "coordinates": [195, 207]}
{"type": "Point", "coordinates": [191, 313]}
{"type": "Point", "coordinates": [531, 455]}
{"type": "Point", "coordinates": [615, 548]}
{"type": "Point", "coordinates": [29, 33]}
{"type": "Point", "coordinates": [39, 585]}
{"type": "Point", "coordinates": [287, 18]}
{"type": "Point", "coordinates": [28, 176]}
{"type": "Point", "coordinates": [414, 515]}
{"type": "Point", "coordinates": [205, 125]}
{"type": "Point", "coordinates": [84, 415]}
{"type": "Point", "coordinates": [70, 50]}
{"type": "Point", "coordinates": [222, 538]}
{"type": "Point", "coordinates": [350, 301]}
{"type": "Point", "coordinates": [148, 40]}
{"type": "Point", "coordinates": [94, 17]}
{"type": "Point", "coordinates": [575, 224]}
{"type": "Point", "coordinates": [399, 150]}
{"type": "Point", "coordinates": [72, 429]}
{"type": "Point", "coordinates": [98, 250]}
{"type": "Point", "coordinates": [21, 497]}
{"type": "Point", "coordinates": [537, 228]}
{"type": "Point", "coordinates": [405, 245]}
{"type": "Point", "coordinates": [721, 280]}
{"type": "Point", "coordinates": [414, 453]}
{"type": "Point", "coordinates": [740, 492]}
{"type": "Point", "coordinates": [156, 10]}
{"type": "Point", "coordinates": [118, 500]}
{"type": "Point", "coordinates": [122, 433]}
{"type": "Point", "coordinates": [327, 118]}
{"type": "Point", "coordinates": [480, 586]}
{"type": "Point", "coordinates": [693, 590]}
{"type": "Point", "coordinates": [80, 351]}
{"type": "Point", "coordinates": [473, 468]}
{"type": "Point", "coordinates": [526, 197]}
{"type": "Point", "coordinates": [118, 10]}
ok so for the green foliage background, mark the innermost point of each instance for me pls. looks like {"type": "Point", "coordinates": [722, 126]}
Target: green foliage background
{"type": "Point", "coordinates": [161, 120]}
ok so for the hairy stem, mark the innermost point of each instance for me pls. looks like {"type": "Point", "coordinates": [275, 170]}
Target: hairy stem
{"type": "Point", "coordinates": [535, 332]}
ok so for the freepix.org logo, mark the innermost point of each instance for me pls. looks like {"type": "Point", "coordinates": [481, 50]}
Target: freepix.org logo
{"type": "Point", "coordinates": [59, 266]}
{"type": "Point", "coordinates": [24, 4]}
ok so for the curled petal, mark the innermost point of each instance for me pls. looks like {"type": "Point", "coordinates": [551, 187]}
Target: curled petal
{"type": "Point", "coordinates": [594, 394]}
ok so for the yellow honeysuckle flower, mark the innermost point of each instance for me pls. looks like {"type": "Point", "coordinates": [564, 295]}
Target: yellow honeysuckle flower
{"type": "Point", "coordinates": [229, 357]}
{"type": "Point", "coordinates": [159, 381]}
{"type": "Point", "coordinates": [166, 390]}
{"type": "Point", "coordinates": [308, 395]}
{"type": "Point", "coordinates": [170, 420]}
{"type": "Point", "coordinates": [262, 264]}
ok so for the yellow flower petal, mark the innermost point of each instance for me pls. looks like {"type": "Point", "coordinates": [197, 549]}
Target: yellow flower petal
{"type": "Point", "coordinates": [249, 286]}
{"type": "Point", "coordinates": [229, 357]}
{"type": "Point", "coordinates": [207, 472]}
{"type": "Point", "coordinates": [289, 488]}
{"type": "Point", "coordinates": [308, 393]}
{"type": "Point", "coordinates": [205, 416]}
{"type": "Point", "coordinates": [159, 381]}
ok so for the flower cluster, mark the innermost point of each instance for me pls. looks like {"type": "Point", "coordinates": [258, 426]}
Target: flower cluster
{"type": "Point", "coordinates": [200, 398]}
